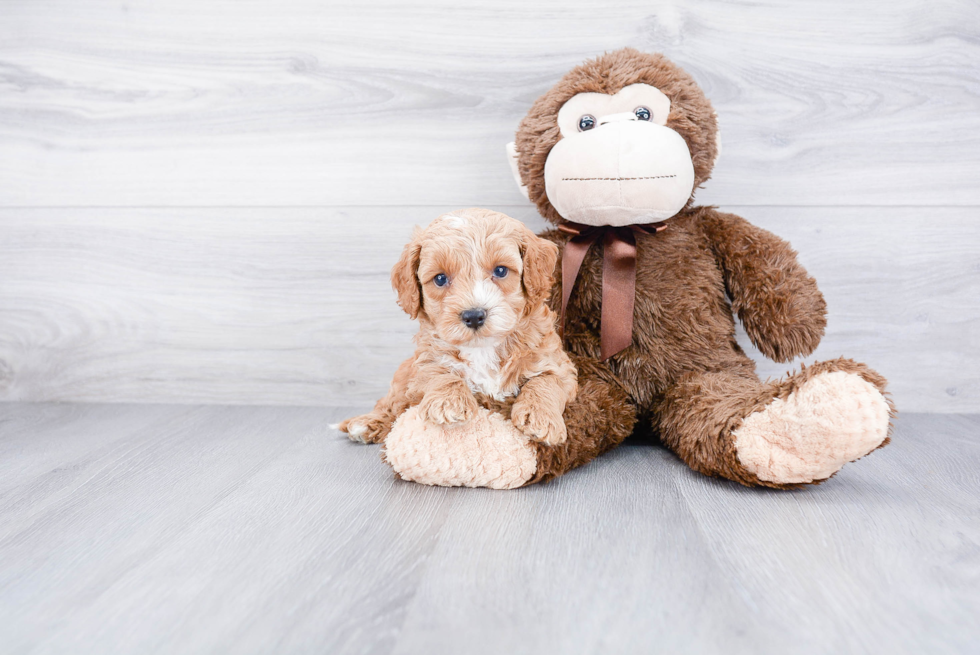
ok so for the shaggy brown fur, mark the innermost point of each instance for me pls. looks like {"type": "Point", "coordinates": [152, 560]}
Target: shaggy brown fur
{"type": "Point", "coordinates": [532, 377]}
{"type": "Point", "coordinates": [684, 373]}
{"type": "Point", "coordinates": [691, 115]}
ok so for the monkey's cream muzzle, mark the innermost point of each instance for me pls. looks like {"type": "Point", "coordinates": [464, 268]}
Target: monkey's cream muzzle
{"type": "Point", "coordinates": [622, 172]}
{"type": "Point", "coordinates": [617, 162]}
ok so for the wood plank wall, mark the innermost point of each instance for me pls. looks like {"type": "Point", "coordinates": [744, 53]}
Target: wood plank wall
{"type": "Point", "coordinates": [200, 201]}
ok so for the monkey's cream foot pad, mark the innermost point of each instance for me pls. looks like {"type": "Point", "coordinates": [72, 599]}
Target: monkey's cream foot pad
{"type": "Point", "coordinates": [487, 451]}
{"type": "Point", "coordinates": [832, 419]}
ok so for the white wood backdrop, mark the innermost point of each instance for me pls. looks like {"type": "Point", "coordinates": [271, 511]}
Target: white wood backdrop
{"type": "Point", "coordinates": [200, 201]}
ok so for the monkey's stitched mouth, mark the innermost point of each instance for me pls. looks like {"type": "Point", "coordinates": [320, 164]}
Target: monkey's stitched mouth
{"type": "Point", "coordinates": [614, 179]}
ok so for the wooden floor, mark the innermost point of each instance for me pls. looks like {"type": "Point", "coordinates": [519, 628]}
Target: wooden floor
{"type": "Point", "coordinates": [192, 529]}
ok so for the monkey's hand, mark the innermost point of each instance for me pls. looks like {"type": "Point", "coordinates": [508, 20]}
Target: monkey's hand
{"type": "Point", "coordinates": [778, 303]}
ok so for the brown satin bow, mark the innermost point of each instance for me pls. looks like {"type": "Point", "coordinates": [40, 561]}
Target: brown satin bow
{"type": "Point", "coordinates": [618, 276]}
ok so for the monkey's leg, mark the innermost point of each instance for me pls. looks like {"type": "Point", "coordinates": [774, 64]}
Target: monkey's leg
{"type": "Point", "coordinates": [599, 419]}
{"type": "Point", "coordinates": [488, 451]}
{"type": "Point", "coordinates": [780, 434]}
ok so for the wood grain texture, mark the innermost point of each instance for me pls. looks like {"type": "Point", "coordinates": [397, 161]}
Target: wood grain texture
{"type": "Point", "coordinates": [294, 306]}
{"type": "Point", "coordinates": [163, 529]}
{"type": "Point", "coordinates": [200, 201]}
{"type": "Point", "coordinates": [306, 102]}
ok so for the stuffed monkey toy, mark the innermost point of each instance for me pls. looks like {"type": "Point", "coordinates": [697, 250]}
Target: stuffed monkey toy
{"type": "Point", "coordinates": [648, 284]}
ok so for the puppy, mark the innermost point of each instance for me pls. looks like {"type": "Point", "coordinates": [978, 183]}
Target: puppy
{"type": "Point", "coordinates": [478, 282]}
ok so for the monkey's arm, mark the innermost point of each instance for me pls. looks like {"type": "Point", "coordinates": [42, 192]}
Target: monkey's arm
{"type": "Point", "coordinates": [779, 304]}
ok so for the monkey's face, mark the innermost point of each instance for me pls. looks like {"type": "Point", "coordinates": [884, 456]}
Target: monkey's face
{"type": "Point", "coordinates": [617, 162]}
{"type": "Point", "coordinates": [621, 139]}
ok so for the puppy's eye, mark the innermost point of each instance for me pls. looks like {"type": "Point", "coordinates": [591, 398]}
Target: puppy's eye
{"type": "Point", "coordinates": [587, 122]}
{"type": "Point", "coordinates": [501, 271]}
{"type": "Point", "coordinates": [642, 113]}
{"type": "Point", "coordinates": [441, 280]}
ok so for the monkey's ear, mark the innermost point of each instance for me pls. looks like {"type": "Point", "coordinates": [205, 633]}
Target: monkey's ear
{"type": "Point", "coordinates": [512, 157]}
{"type": "Point", "coordinates": [404, 276]}
{"type": "Point", "coordinates": [540, 257]}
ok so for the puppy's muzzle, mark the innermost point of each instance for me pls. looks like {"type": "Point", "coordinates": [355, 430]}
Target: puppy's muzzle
{"type": "Point", "coordinates": [473, 318]}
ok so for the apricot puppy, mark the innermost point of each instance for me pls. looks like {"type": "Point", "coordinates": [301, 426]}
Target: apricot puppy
{"type": "Point", "coordinates": [478, 282]}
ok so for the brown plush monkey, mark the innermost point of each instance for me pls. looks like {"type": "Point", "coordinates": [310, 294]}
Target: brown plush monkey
{"type": "Point", "coordinates": [612, 155]}
{"type": "Point", "coordinates": [625, 140]}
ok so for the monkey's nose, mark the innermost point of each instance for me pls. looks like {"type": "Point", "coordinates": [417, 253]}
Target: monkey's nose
{"type": "Point", "coordinates": [473, 318]}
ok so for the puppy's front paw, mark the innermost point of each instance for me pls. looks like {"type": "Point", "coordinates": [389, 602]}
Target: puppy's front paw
{"type": "Point", "coordinates": [448, 408]}
{"type": "Point", "coordinates": [367, 428]}
{"type": "Point", "coordinates": [542, 425]}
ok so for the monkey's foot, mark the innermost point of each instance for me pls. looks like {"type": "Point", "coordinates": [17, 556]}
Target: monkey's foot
{"type": "Point", "coordinates": [830, 419]}
{"type": "Point", "coordinates": [486, 451]}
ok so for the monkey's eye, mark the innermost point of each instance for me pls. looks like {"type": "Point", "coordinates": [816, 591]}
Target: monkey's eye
{"type": "Point", "coordinates": [642, 113]}
{"type": "Point", "coordinates": [441, 280]}
{"type": "Point", "coordinates": [587, 122]}
{"type": "Point", "coordinates": [501, 271]}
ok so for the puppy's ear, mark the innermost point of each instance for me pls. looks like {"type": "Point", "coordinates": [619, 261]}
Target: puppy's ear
{"type": "Point", "coordinates": [404, 276]}
{"type": "Point", "coordinates": [540, 257]}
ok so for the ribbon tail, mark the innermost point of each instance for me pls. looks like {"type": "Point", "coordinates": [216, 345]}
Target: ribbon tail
{"type": "Point", "coordinates": [618, 290]}
{"type": "Point", "coordinates": [571, 262]}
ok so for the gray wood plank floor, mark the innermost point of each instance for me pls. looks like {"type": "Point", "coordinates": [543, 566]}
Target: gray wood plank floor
{"type": "Point", "coordinates": [192, 529]}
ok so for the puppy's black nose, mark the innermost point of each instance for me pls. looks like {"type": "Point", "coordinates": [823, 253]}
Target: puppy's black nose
{"type": "Point", "coordinates": [474, 318]}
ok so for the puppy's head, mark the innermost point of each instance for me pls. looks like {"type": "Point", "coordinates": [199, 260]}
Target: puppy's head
{"type": "Point", "coordinates": [473, 274]}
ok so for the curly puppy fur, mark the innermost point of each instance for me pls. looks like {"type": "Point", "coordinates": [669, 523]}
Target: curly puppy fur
{"type": "Point", "coordinates": [511, 363]}
{"type": "Point", "coordinates": [684, 374]}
